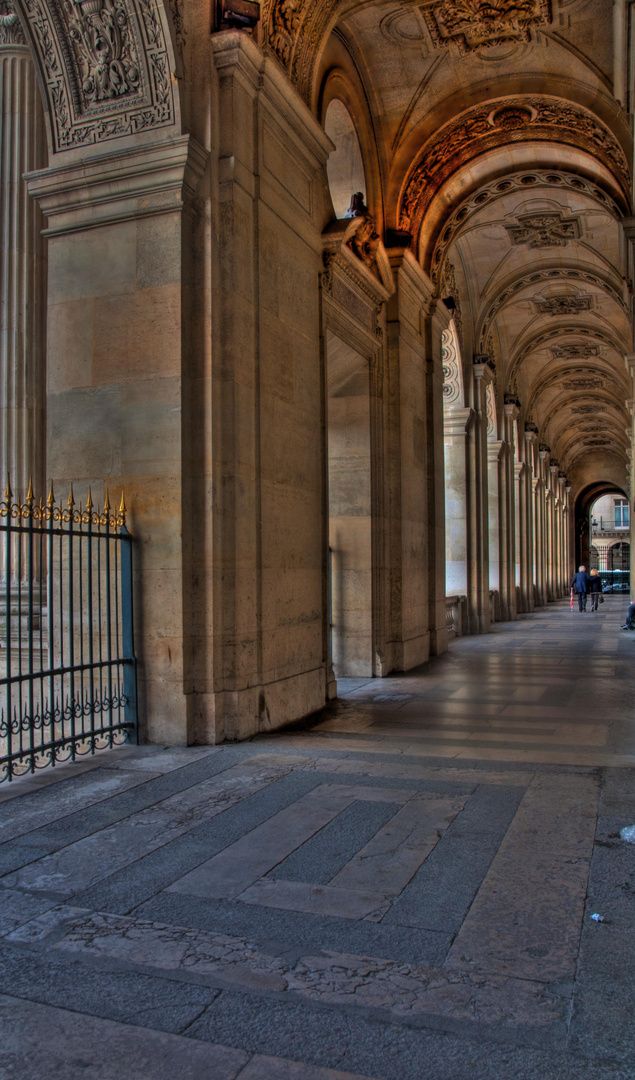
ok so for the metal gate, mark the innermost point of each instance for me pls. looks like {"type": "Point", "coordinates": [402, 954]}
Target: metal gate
{"type": "Point", "coordinates": [67, 664]}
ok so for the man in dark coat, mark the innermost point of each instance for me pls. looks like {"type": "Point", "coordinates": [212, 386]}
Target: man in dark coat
{"type": "Point", "coordinates": [580, 585]}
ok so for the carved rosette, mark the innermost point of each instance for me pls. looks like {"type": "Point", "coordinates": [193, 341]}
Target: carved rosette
{"type": "Point", "coordinates": [490, 125]}
{"type": "Point", "coordinates": [11, 32]}
{"type": "Point", "coordinates": [105, 66]}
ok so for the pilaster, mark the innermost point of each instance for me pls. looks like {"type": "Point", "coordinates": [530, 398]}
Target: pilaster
{"type": "Point", "coordinates": [22, 270]}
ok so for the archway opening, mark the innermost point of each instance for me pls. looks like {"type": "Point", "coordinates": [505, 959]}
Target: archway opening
{"type": "Point", "coordinates": [345, 167]}
{"type": "Point", "coordinates": [609, 530]}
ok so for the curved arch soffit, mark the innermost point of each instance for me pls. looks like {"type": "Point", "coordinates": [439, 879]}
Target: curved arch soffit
{"type": "Point", "coordinates": [589, 335]}
{"type": "Point", "coordinates": [495, 123]}
{"type": "Point", "coordinates": [589, 379]}
{"type": "Point", "coordinates": [601, 414]}
{"type": "Point", "coordinates": [509, 290]}
{"type": "Point", "coordinates": [524, 180]}
{"type": "Point", "coordinates": [92, 97]}
{"type": "Point", "coordinates": [577, 400]}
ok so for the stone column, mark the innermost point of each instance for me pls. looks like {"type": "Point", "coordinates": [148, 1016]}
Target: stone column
{"type": "Point", "coordinates": [477, 515]}
{"type": "Point", "coordinates": [409, 447]}
{"type": "Point", "coordinates": [496, 521]}
{"type": "Point", "coordinates": [511, 411]}
{"type": "Point", "coordinates": [22, 268]}
{"type": "Point", "coordinates": [436, 322]}
{"type": "Point", "coordinates": [527, 570]}
{"type": "Point", "coordinates": [455, 427]}
{"type": "Point", "coordinates": [553, 533]}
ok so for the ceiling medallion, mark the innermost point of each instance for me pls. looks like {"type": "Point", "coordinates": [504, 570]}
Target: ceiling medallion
{"type": "Point", "coordinates": [574, 351]}
{"type": "Point", "coordinates": [544, 230]}
{"type": "Point", "coordinates": [584, 384]}
{"type": "Point", "coordinates": [585, 410]}
{"type": "Point", "coordinates": [562, 305]}
{"type": "Point", "coordinates": [470, 24]}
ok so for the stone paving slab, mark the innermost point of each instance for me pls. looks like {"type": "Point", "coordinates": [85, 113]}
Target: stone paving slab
{"type": "Point", "coordinates": [432, 896]}
{"type": "Point", "coordinates": [38, 1040]}
{"type": "Point", "coordinates": [404, 991]}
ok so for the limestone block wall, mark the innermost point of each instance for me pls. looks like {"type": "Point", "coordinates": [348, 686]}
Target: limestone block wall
{"type": "Point", "coordinates": [117, 388]}
{"type": "Point", "coordinates": [267, 644]}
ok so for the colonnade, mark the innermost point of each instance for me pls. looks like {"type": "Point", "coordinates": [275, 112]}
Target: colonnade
{"type": "Point", "coordinates": [509, 539]}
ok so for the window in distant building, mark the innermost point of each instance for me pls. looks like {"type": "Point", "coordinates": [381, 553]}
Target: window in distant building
{"type": "Point", "coordinates": [622, 518]}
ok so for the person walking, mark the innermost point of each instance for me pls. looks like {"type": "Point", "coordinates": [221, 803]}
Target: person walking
{"type": "Point", "coordinates": [580, 585]}
{"type": "Point", "coordinates": [594, 589]}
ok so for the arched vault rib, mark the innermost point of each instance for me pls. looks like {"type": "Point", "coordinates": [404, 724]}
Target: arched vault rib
{"type": "Point", "coordinates": [499, 122]}
{"type": "Point", "coordinates": [524, 180]}
{"type": "Point", "coordinates": [588, 334]}
{"type": "Point", "coordinates": [93, 96]}
{"type": "Point", "coordinates": [508, 291]}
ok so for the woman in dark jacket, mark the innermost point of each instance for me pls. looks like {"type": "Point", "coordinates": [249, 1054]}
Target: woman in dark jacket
{"type": "Point", "coordinates": [594, 589]}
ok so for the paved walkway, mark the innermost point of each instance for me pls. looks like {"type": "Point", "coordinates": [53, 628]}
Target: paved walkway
{"type": "Point", "coordinates": [402, 891]}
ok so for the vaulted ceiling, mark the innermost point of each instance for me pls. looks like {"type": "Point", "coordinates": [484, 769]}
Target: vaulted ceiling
{"type": "Point", "coordinates": [496, 139]}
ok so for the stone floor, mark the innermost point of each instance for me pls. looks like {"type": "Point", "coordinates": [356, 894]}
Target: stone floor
{"type": "Point", "coordinates": [401, 891]}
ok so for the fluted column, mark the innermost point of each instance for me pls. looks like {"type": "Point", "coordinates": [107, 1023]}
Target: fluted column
{"type": "Point", "coordinates": [527, 566]}
{"type": "Point", "coordinates": [22, 266]}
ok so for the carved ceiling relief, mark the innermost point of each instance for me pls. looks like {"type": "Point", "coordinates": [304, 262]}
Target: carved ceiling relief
{"type": "Point", "coordinates": [544, 230]}
{"type": "Point", "coordinates": [562, 305]}
{"type": "Point", "coordinates": [474, 23]}
{"type": "Point", "coordinates": [517, 182]}
{"type": "Point", "coordinates": [574, 351]}
{"type": "Point", "coordinates": [105, 68]}
{"type": "Point", "coordinates": [490, 125]}
{"type": "Point", "coordinates": [10, 27]}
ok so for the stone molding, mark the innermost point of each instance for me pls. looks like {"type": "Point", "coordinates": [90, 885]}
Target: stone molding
{"type": "Point", "coordinates": [117, 187]}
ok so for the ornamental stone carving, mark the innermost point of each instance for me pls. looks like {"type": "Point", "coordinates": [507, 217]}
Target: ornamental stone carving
{"type": "Point", "coordinates": [584, 384]}
{"type": "Point", "coordinates": [544, 230]}
{"type": "Point", "coordinates": [492, 124]}
{"type": "Point", "coordinates": [452, 376]}
{"type": "Point", "coordinates": [574, 351]}
{"type": "Point", "coordinates": [585, 410]}
{"type": "Point", "coordinates": [523, 181]}
{"type": "Point", "coordinates": [10, 28]}
{"type": "Point", "coordinates": [292, 31]}
{"type": "Point", "coordinates": [473, 23]}
{"type": "Point", "coordinates": [104, 66]}
{"type": "Point", "coordinates": [562, 305]}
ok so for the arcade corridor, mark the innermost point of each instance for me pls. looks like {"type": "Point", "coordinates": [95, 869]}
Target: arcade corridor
{"type": "Point", "coordinates": [402, 891]}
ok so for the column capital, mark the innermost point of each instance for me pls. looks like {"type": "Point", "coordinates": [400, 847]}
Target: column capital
{"type": "Point", "coordinates": [457, 422]}
{"type": "Point", "coordinates": [118, 187]}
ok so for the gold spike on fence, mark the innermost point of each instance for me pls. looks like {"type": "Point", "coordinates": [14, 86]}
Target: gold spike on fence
{"type": "Point", "coordinates": [51, 510]}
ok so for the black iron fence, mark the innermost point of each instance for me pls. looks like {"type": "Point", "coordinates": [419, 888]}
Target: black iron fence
{"type": "Point", "coordinates": [67, 665]}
